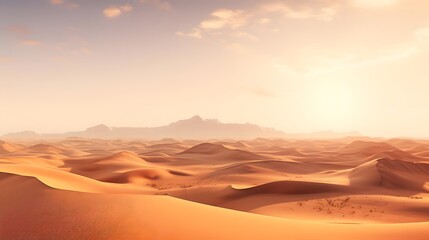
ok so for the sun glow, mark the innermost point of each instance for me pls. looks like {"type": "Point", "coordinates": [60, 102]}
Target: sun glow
{"type": "Point", "coordinates": [333, 105]}
{"type": "Point", "coordinates": [372, 3]}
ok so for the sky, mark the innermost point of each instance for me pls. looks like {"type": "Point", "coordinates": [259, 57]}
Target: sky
{"type": "Point", "coordinates": [295, 65]}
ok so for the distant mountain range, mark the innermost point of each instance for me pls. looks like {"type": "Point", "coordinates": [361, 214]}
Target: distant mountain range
{"type": "Point", "coordinates": [192, 128]}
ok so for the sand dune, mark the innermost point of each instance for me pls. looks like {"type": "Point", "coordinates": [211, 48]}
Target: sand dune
{"type": "Point", "coordinates": [382, 187]}
{"type": "Point", "coordinates": [255, 167]}
{"type": "Point", "coordinates": [403, 144]}
{"type": "Point", "coordinates": [289, 152]}
{"type": "Point", "coordinates": [122, 167]}
{"type": "Point", "coordinates": [392, 173]}
{"type": "Point", "coordinates": [397, 173]}
{"type": "Point", "coordinates": [102, 167]}
{"type": "Point", "coordinates": [281, 167]}
{"type": "Point", "coordinates": [366, 148]}
{"type": "Point", "coordinates": [366, 174]}
{"type": "Point", "coordinates": [143, 175]}
{"type": "Point", "coordinates": [6, 147]}
{"type": "Point", "coordinates": [49, 149]}
{"type": "Point", "coordinates": [394, 154]}
{"type": "Point", "coordinates": [166, 146]}
{"type": "Point", "coordinates": [219, 151]}
{"type": "Point", "coordinates": [424, 154]}
{"type": "Point", "coordinates": [290, 187]}
{"type": "Point", "coordinates": [46, 148]}
{"type": "Point", "coordinates": [109, 216]}
{"type": "Point", "coordinates": [68, 181]}
{"type": "Point", "coordinates": [418, 148]}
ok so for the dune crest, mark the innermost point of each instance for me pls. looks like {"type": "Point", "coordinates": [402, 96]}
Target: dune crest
{"type": "Point", "coordinates": [220, 151]}
{"type": "Point", "coordinates": [393, 174]}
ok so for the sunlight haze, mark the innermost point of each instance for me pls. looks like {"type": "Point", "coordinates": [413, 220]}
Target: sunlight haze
{"type": "Point", "coordinates": [297, 66]}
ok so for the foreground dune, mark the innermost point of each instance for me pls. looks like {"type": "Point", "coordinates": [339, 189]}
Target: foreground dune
{"type": "Point", "coordinates": [261, 189]}
{"type": "Point", "coordinates": [72, 215]}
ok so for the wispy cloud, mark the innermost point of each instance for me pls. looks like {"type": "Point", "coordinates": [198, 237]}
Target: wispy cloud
{"type": "Point", "coordinates": [262, 92]}
{"type": "Point", "coordinates": [246, 35]}
{"type": "Point", "coordinates": [31, 42]}
{"type": "Point", "coordinates": [23, 35]}
{"type": "Point", "coordinates": [322, 13]}
{"type": "Point", "coordinates": [422, 34]}
{"type": "Point", "coordinates": [330, 65]}
{"type": "Point", "coordinates": [194, 33]}
{"type": "Point", "coordinates": [73, 44]}
{"type": "Point", "coordinates": [218, 20]}
{"type": "Point", "coordinates": [374, 3]}
{"type": "Point", "coordinates": [315, 66]}
{"type": "Point", "coordinates": [222, 20]}
{"type": "Point", "coordinates": [67, 3]}
{"type": "Point", "coordinates": [225, 18]}
{"type": "Point", "coordinates": [112, 12]}
{"type": "Point", "coordinates": [57, 1]}
{"type": "Point", "coordinates": [19, 30]}
{"type": "Point", "coordinates": [160, 4]}
{"type": "Point", "coordinates": [263, 20]}
{"type": "Point", "coordinates": [116, 11]}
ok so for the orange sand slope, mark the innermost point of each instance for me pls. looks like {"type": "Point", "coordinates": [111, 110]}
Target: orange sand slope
{"type": "Point", "coordinates": [106, 189]}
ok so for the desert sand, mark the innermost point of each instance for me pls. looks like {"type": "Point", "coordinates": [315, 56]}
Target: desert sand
{"type": "Point", "coordinates": [348, 188]}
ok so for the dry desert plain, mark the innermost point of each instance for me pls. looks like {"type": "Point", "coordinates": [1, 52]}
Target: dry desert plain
{"type": "Point", "coordinates": [349, 188]}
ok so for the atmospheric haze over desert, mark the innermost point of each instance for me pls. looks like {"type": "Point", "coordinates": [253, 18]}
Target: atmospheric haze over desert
{"type": "Point", "coordinates": [214, 119]}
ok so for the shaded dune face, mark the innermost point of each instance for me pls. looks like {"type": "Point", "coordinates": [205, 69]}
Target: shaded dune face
{"type": "Point", "coordinates": [6, 147]}
{"type": "Point", "coordinates": [206, 148]}
{"type": "Point", "coordinates": [407, 175]}
{"type": "Point", "coordinates": [116, 162]}
{"type": "Point", "coordinates": [392, 174]}
{"type": "Point", "coordinates": [289, 187]}
{"type": "Point", "coordinates": [289, 152]}
{"type": "Point", "coordinates": [56, 149]}
{"type": "Point", "coordinates": [374, 150]}
{"type": "Point", "coordinates": [141, 175]}
{"type": "Point", "coordinates": [366, 147]}
{"type": "Point", "coordinates": [313, 181]}
{"type": "Point", "coordinates": [121, 168]}
{"type": "Point", "coordinates": [45, 148]}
